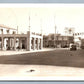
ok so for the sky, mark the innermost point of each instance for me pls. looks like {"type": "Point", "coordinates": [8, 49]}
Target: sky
{"type": "Point", "coordinates": [43, 17]}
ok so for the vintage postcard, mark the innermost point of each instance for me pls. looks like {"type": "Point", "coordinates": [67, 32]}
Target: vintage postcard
{"type": "Point", "coordinates": [42, 41]}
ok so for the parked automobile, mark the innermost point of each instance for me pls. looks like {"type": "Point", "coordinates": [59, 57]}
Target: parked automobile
{"type": "Point", "coordinates": [73, 47]}
{"type": "Point", "coordinates": [65, 46]}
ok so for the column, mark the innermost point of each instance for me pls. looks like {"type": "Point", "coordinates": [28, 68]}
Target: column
{"type": "Point", "coordinates": [37, 43]}
{"type": "Point", "coordinates": [28, 44]}
{"type": "Point", "coordinates": [14, 43]}
{"type": "Point", "coordinates": [11, 43]}
{"type": "Point", "coordinates": [5, 43]}
{"type": "Point", "coordinates": [41, 44]}
{"type": "Point", "coordinates": [20, 43]}
{"type": "Point", "coordinates": [34, 43]}
{"type": "Point", "coordinates": [2, 43]}
{"type": "Point", "coordinates": [28, 40]}
{"type": "Point", "coordinates": [8, 43]}
{"type": "Point", "coordinates": [25, 43]}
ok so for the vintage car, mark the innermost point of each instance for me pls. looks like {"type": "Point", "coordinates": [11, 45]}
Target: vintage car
{"type": "Point", "coordinates": [73, 47]}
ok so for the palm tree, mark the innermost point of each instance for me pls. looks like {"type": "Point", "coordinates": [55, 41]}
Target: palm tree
{"type": "Point", "coordinates": [70, 31]}
{"type": "Point", "coordinates": [66, 30]}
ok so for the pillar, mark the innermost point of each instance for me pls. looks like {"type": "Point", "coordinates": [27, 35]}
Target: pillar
{"type": "Point", "coordinates": [41, 44]}
{"type": "Point", "coordinates": [34, 43]}
{"type": "Point", "coordinates": [2, 43]}
{"type": "Point", "coordinates": [28, 40]}
{"type": "Point", "coordinates": [9, 42]}
{"type": "Point", "coordinates": [37, 43]}
{"type": "Point", "coordinates": [14, 43]}
{"type": "Point", "coordinates": [5, 43]}
{"type": "Point", "coordinates": [25, 43]}
{"type": "Point", "coordinates": [20, 43]}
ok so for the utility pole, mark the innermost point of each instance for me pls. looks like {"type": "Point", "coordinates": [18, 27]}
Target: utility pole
{"type": "Point", "coordinates": [29, 23]}
{"type": "Point", "coordinates": [55, 37]}
{"type": "Point", "coordinates": [41, 27]}
{"type": "Point", "coordinates": [17, 29]}
{"type": "Point", "coordinates": [55, 34]}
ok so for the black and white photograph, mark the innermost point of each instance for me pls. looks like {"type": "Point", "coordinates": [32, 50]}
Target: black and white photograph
{"type": "Point", "coordinates": [41, 41]}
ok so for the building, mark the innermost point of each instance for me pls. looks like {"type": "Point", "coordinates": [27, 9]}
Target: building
{"type": "Point", "coordinates": [82, 43]}
{"type": "Point", "coordinates": [78, 36]}
{"type": "Point", "coordinates": [5, 30]}
{"type": "Point", "coordinates": [69, 31]}
{"type": "Point", "coordinates": [79, 39]}
{"type": "Point", "coordinates": [57, 40]}
{"type": "Point", "coordinates": [11, 40]}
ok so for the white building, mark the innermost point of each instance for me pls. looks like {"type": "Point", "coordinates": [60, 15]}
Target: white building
{"type": "Point", "coordinates": [6, 30]}
{"type": "Point", "coordinates": [10, 40]}
{"type": "Point", "coordinates": [78, 37]}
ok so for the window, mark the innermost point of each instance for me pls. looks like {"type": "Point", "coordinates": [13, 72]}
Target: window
{"type": "Point", "coordinates": [7, 31]}
{"type": "Point", "coordinates": [2, 31]}
{"type": "Point", "coordinates": [14, 32]}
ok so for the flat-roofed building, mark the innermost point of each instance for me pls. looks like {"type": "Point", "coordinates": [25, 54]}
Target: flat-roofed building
{"type": "Point", "coordinates": [11, 40]}
{"type": "Point", "coordinates": [57, 40]}
{"type": "Point", "coordinates": [7, 30]}
{"type": "Point", "coordinates": [78, 38]}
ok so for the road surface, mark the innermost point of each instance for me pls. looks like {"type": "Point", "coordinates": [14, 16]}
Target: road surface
{"type": "Point", "coordinates": [53, 63]}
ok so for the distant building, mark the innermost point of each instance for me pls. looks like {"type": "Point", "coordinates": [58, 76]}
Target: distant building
{"type": "Point", "coordinates": [57, 40]}
{"type": "Point", "coordinates": [69, 31]}
{"type": "Point", "coordinates": [82, 43]}
{"type": "Point", "coordinates": [10, 40]}
{"type": "Point", "coordinates": [78, 38]}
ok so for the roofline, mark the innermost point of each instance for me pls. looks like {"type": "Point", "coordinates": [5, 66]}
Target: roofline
{"type": "Point", "coordinates": [3, 26]}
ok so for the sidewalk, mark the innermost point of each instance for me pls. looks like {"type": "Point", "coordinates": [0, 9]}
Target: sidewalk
{"type": "Point", "coordinates": [24, 51]}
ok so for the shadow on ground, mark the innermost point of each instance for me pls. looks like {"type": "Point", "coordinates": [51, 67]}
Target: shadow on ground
{"type": "Point", "coordinates": [54, 58]}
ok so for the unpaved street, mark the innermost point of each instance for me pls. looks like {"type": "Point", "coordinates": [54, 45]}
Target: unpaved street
{"type": "Point", "coordinates": [58, 62]}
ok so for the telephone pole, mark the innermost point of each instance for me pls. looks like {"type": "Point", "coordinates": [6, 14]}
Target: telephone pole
{"type": "Point", "coordinates": [29, 23]}
{"type": "Point", "coordinates": [55, 37]}
{"type": "Point", "coordinates": [55, 34]}
{"type": "Point", "coordinates": [41, 26]}
{"type": "Point", "coordinates": [17, 29]}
